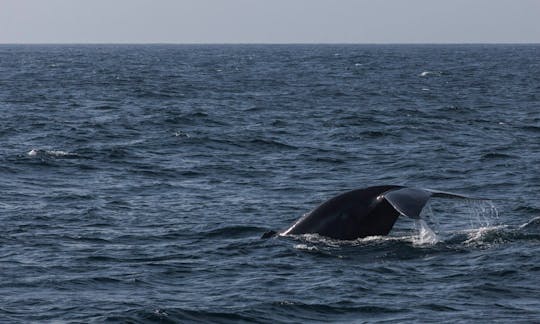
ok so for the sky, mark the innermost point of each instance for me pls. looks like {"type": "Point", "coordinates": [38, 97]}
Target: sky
{"type": "Point", "coordinates": [269, 21]}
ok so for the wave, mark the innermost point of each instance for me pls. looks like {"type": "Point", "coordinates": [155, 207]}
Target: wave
{"type": "Point", "coordinates": [284, 311]}
{"type": "Point", "coordinates": [531, 128]}
{"type": "Point", "coordinates": [497, 156]}
{"type": "Point", "coordinates": [375, 134]}
{"type": "Point", "coordinates": [235, 231]}
{"type": "Point", "coordinates": [428, 73]}
{"type": "Point", "coordinates": [159, 315]}
{"type": "Point", "coordinates": [182, 134]}
{"type": "Point", "coordinates": [51, 153]}
{"type": "Point", "coordinates": [271, 143]}
{"type": "Point", "coordinates": [533, 224]}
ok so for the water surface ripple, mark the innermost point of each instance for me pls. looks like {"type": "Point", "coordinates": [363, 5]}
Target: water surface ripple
{"type": "Point", "coordinates": [137, 181]}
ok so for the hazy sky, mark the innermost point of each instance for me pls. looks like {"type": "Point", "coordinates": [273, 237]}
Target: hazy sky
{"type": "Point", "coordinates": [269, 21]}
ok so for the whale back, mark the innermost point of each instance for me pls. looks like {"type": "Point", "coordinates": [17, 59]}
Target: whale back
{"type": "Point", "coordinates": [351, 215]}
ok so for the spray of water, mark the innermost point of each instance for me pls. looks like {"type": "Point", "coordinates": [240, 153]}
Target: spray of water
{"type": "Point", "coordinates": [483, 213]}
{"type": "Point", "coordinates": [483, 220]}
{"type": "Point", "coordinates": [478, 215]}
{"type": "Point", "coordinates": [426, 236]}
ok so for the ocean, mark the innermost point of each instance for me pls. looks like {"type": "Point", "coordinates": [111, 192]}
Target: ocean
{"type": "Point", "coordinates": [137, 181]}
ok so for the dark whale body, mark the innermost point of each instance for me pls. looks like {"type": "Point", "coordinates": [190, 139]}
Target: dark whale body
{"type": "Point", "coordinates": [364, 212]}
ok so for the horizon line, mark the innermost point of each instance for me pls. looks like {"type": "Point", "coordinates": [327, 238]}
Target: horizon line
{"type": "Point", "coordinates": [270, 43]}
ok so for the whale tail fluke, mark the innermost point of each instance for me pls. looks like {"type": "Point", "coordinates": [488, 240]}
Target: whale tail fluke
{"type": "Point", "coordinates": [410, 201]}
{"type": "Point", "coordinates": [365, 212]}
{"type": "Point", "coordinates": [444, 194]}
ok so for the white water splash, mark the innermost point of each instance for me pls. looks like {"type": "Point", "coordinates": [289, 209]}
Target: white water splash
{"type": "Point", "coordinates": [477, 235]}
{"type": "Point", "coordinates": [426, 236]}
{"type": "Point", "coordinates": [317, 239]}
{"type": "Point", "coordinates": [449, 217]}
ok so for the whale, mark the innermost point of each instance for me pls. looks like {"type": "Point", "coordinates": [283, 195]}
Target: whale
{"type": "Point", "coordinates": [364, 212]}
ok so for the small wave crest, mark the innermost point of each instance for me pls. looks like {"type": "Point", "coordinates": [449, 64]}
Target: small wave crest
{"type": "Point", "coordinates": [429, 73]}
{"type": "Point", "coordinates": [51, 153]}
{"type": "Point", "coordinates": [306, 247]}
{"type": "Point", "coordinates": [532, 224]}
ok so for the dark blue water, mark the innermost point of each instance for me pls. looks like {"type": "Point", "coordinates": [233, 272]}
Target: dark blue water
{"type": "Point", "coordinates": [137, 181]}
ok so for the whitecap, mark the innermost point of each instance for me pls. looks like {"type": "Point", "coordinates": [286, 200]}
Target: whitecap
{"type": "Point", "coordinates": [59, 153]}
{"type": "Point", "coordinates": [532, 223]}
{"type": "Point", "coordinates": [428, 73]}
{"type": "Point", "coordinates": [305, 247]}
{"type": "Point", "coordinates": [182, 134]}
{"type": "Point", "coordinates": [160, 313]}
{"type": "Point", "coordinates": [51, 153]}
